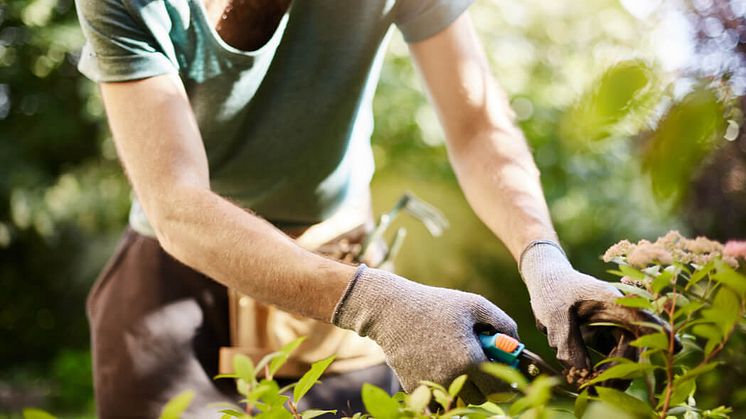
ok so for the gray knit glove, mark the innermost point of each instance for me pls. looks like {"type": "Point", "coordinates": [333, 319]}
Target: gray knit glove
{"type": "Point", "coordinates": [427, 333]}
{"type": "Point", "coordinates": [566, 301]}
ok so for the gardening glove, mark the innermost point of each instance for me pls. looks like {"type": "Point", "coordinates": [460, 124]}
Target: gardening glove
{"type": "Point", "coordinates": [427, 333]}
{"type": "Point", "coordinates": [565, 302]}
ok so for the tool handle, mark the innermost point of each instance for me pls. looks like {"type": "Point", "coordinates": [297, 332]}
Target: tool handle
{"type": "Point", "coordinates": [502, 348]}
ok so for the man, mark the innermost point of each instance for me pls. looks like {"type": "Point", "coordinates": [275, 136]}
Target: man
{"type": "Point", "coordinates": [236, 120]}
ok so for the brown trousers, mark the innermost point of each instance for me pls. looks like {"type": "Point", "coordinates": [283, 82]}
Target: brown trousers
{"type": "Point", "coordinates": [156, 329]}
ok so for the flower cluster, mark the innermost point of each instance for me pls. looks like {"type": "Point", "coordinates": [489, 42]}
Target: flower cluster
{"type": "Point", "coordinates": [669, 249]}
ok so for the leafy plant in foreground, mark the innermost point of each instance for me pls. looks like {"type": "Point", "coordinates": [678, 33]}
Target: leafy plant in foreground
{"type": "Point", "coordinates": [694, 286]}
{"type": "Point", "coordinates": [696, 289]}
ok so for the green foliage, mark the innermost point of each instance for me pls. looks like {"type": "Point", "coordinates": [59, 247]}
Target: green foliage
{"type": "Point", "coordinates": [177, 405]}
{"type": "Point", "coordinates": [623, 92]}
{"type": "Point", "coordinates": [379, 404]}
{"type": "Point", "coordinates": [310, 378]}
{"type": "Point", "coordinates": [701, 299]}
{"type": "Point", "coordinates": [688, 132]}
{"type": "Point", "coordinates": [625, 402]}
{"type": "Point", "coordinates": [31, 413]}
{"type": "Point", "coordinates": [263, 398]}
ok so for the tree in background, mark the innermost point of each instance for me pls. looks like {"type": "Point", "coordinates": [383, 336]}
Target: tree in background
{"type": "Point", "coordinates": [62, 202]}
{"type": "Point", "coordinates": [717, 203]}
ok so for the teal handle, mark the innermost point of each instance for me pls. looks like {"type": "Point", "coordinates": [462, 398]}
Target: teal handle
{"type": "Point", "coordinates": [499, 355]}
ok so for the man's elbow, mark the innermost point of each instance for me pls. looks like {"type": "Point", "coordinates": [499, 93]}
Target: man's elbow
{"type": "Point", "coordinates": [174, 213]}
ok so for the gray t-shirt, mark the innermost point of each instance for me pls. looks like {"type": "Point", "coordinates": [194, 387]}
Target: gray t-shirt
{"type": "Point", "coordinates": [286, 127]}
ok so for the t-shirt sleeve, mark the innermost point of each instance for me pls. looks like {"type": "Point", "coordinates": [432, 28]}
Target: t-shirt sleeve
{"type": "Point", "coordinates": [118, 47]}
{"type": "Point", "coordinates": [420, 19]}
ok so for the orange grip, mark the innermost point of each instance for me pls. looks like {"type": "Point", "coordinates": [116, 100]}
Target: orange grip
{"type": "Point", "coordinates": [506, 343]}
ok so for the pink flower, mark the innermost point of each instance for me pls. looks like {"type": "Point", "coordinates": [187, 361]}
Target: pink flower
{"type": "Point", "coordinates": [736, 249]}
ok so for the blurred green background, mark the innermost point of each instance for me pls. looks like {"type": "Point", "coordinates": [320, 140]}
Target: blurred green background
{"type": "Point", "coordinates": [633, 109]}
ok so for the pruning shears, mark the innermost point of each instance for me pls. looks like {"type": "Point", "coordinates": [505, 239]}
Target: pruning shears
{"type": "Point", "coordinates": [509, 351]}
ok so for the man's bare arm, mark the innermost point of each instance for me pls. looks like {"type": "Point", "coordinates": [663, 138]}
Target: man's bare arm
{"type": "Point", "coordinates": [160, 146]}
{"type": "Point", "coordinates": [501, 182]}
{"type": "Point", "coordinates": [488, 152]}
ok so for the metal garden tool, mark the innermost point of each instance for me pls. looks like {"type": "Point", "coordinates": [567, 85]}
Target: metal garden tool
{"type": "Point", "coordinates": [431, 218]}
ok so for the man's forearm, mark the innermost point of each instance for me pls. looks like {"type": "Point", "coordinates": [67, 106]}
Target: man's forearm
{"type": "Point", "coordinates": [244, 252]}
{"type": "Point", "coordinates": [160, 146]}
{"type": "Point", "coordinates": [501, 182]}
{"type": "Point", "coordinates": [488, 152]}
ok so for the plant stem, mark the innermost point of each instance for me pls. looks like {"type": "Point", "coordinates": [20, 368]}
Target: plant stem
{"type": "Point", "coordinates": [294, 410]}
{"type": "Point", "coordinates": [669, 355]}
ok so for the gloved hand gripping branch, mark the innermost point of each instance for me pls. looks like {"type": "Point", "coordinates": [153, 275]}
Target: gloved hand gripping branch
{"type": "Point", "coordinates": [565, 302]}
{"type": "Point", "coordinates": [427, 333]}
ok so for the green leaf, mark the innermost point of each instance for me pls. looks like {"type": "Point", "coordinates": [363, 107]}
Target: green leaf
{"type": "Point", "coordinates": [232, 413]}
{"type": "Point", "coordinates": [635, 301]}
{"type": "Point", "coordinates": [624, 89]}
{"type": "Point", "coordinates": [309, 378]}
{"type": "Point", "coordinates": [288, 387]}
{"type": "Point", "coordinates": [219, 376]}
{"type": "Point", "coordinates": [623, 371]}
{"type": "Point", "coordinates": [419, 399]}
{"type": "Point", "coordinates": [730, 278]}
{"type": "Point", "coordinates": [434, 385]}
{"type": "Point", "coordinates": [265, 360]}
{"type": "Point", "coordinates": [177, 405]}
{"type": "Point", "coordinates": [661, 281]}
{"type": "Point", "coordinates": [629, 289]}
{"type": "Point", "coordinates": [242, 387]}
{"type": "Point", "coordinates": [33, 413]}
{"type": "Point", "coordinates": [625, 402]}
{"type": "Point", "coordinates": [710, 332]}
{"type": "Point", "coordinates": [615, 359]}
{"type": "Point", "coordinates": [463, 412]}
{"type": "Point", "coordinates": [725, 310]}
{"type": "Point", "coordinates": [457, 385]}
{"type": "Point", "coordinates": [650, 325]}
{"type": "Point", "coordinates": [442, 398]}
{"type": "Point", "coordinates": [269, 392]}
{"type": "Point", "coordinates": [243, 367]}
{"type": "Point", "coordinates": [689, 308]}
{"type": "Point", "coordinates": [632, 272]}
{"type": "Point", "coordinates": [696, 372]}
{"type": "Point", "coordinates": [314, 413]}
{"type": "Point", "coordinates": [275, 414]}
{"type": "Point", "coordinates": [537, 395]}
{"type": "Point", "coordinates": [688, 131]}
{"type": "Point", "coordinates": [681, 392]}
{"type": "Point", "coordinates": [700, 274]}
{"type": "Point", "coordinates": [378, 403]}
{"type": "Point", "coordinates": [490, 408]}
{"type": "Point", "coordinates": [283, 354]}
{"type": "Point", "coordinates": [654, 340]}
{"type": "Point", "coordinates": [581, 404]}
{"type": "Point", "coordinates": [506, 373]}
{"type": "Point", "coordinates": [720, 412]}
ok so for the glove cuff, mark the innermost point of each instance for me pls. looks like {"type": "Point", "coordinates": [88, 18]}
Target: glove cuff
{"type": "Point", "coordinates": [346, 294]}
{"type": "Point", "coordinates": [369, 293]}
{"type": "Point", "coordinates": [542, 256]}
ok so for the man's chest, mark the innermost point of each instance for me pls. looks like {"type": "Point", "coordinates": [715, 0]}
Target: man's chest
{"type": "Point", "coordinates": [245, 24]}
